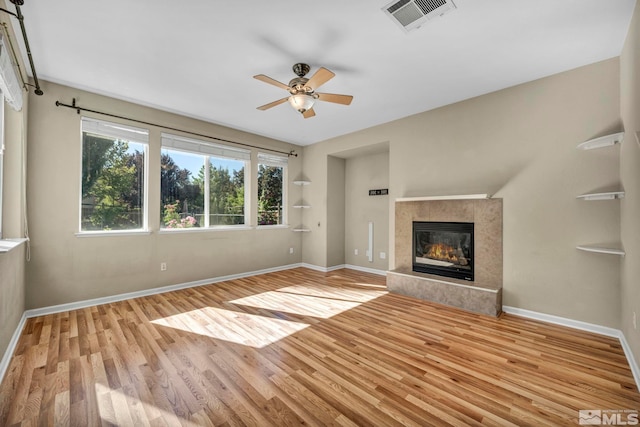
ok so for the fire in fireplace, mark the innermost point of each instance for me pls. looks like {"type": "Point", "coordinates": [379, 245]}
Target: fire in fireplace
{"type": "Point", "coordinates": [443, 248]}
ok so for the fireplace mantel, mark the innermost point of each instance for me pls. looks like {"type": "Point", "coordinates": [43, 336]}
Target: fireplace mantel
{"type": "Point", "coordinates": [451, 197]}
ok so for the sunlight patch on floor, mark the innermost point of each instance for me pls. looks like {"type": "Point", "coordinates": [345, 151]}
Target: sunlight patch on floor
{"type": "Point", "coordinates": [346, 294]}
{"type": "Point", "coordinates": [319, 302]}
{"type": "Point", "coordinates": [255, 330]}
{"type": "Point", "coordinates": [241, 328]}
{"type": "Point", "coordinates": [303, 305]}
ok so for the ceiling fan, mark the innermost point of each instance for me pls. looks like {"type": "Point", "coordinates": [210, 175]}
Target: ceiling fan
{"type": "Point", "coordinates": [303, 90]}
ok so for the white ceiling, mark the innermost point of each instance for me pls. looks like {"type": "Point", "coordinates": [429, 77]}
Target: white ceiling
{"type": "Point", "coordinates": [197, 57]}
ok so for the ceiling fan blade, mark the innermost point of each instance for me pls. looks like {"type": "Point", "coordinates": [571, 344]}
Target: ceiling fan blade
{"type": "Point", "coordinates": [271, 81]}
{"type": "Point", "coordinates": [273, 104]}
{"type": "Point", "coordinates": [319, 78]}
{"type": "Point", "coordinates": [335, 98]}
{"type": "Point", "coordinates": [308, 113]}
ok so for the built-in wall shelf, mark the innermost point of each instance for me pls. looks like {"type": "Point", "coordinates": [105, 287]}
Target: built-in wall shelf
{"type": "Point", "coordinates": [609, 195]}
{"type": "Point", "coordinates": [602, 249]}
{"type": "Point", "coordinates": [301, 205]}
{"type": "Point", "coordinates": [603, 141]}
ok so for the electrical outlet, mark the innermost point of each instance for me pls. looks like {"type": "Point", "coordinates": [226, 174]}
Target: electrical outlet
{"type": "Point", "coordinates": [383, 255]}
{"type": "Point", "coordinates": [290, 250]}
{"type": "Point", "coordinates": [635, 321]}
{"type": "Point", "coordinates": [355, 252]}
{"type": "Point", "coordinates": [163, 266]}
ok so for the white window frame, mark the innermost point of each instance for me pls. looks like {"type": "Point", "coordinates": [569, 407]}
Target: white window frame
{"type": "Point", "coordinates": [210, 150]}
{"type": "Point", "coordinates": [274, 160]}
{"type": "Point", "coordinates": [1, 159]}
{"type": "Point", "coordinates": [130, 134]}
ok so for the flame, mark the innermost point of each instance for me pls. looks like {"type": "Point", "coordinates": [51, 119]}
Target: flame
{"type": "Point", "coordinates": [443, 252]}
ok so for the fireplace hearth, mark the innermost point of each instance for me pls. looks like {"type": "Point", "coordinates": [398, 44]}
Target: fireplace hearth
{"type": "Point", "coordinates": [444, 249]}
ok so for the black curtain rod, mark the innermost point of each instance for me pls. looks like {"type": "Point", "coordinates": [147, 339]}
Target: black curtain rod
{"type": "Point", "coordinates": [20, 17]}
{"type": "Point", "coordinates": [78, 109]}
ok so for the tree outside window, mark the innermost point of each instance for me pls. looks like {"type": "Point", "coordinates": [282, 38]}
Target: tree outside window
{"type": "Point", "coordinates": [197, 196]}
{"type": "Point", "coordinates": [113, 178]}
{"type": "Point", "coordinates": [271, 189]}
{"type": "Point", "coordinates": [181, 197]}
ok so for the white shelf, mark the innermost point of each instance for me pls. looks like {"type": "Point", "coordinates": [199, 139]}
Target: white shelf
{"type": "Point", "coordinates": [601, 249]}
{"type": "Point", "coordinates": [301, 230]}
{"type": "Point", "coordinates": [603, 141]}
{"type": "Point", "coordinates": [609, 195]}
{"type": "Point", "coordinates": [302, 182]}
{"type": "Point", "coordinates": [301, 206]}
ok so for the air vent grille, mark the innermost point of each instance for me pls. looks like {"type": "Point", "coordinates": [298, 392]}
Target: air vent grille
{"type": "Point", "coordinates": [397, 5]}
{"type": "Point", "coordinates": [428, 6]}
{"type": "Point", "coordinates": [411, 14]}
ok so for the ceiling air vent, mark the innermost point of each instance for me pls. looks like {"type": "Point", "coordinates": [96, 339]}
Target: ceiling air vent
{"type": "Point", "coordinates": [411, 14]}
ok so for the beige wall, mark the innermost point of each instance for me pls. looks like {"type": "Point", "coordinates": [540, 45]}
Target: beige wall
{"type": "Point", "coordinates": [335, 211]}
{"type": "Point", "coordinates": [66, 268]}
{"type": "Point", "coordinates": [630, 176]}
{"type": "Point", "coordinates": [12, 264]}
{"type": "Point", "coordinates": [364, 173]}
{"type": "Point", "coordinates": [314, 244]}
{"type": "Point", "coordinates": [518, 144]}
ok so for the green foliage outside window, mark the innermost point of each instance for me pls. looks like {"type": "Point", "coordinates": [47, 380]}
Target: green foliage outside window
{"type": "Point", "coordinates": [112, 184]}
{"type": "Point", "coordinates": [270, 198]}
{"type": "Point", "coordinates": [182, 195]}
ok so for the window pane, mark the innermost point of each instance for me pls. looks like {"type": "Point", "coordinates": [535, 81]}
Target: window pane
{"type": "Point", "coordinates": [112, 183]}
{"type": "Point", "coordinates": [182, 189]}
{"type": "Point", "coordinates": [226, 191]}
{"type": "Point", "coordinates": [270, 195]}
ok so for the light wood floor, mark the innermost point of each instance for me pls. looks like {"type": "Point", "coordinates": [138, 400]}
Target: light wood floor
{"type": "Point", "coordinates": [305, 348]}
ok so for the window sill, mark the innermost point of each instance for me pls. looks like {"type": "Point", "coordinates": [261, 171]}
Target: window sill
{"type": "Point", "coordinates": [272, 227]}
{"type": "Point", "coordinates": [204, 230]}
{"type": "Point", "coordinates": [6, 245]}
{"type": "Point", "coordinates": [113, 233]}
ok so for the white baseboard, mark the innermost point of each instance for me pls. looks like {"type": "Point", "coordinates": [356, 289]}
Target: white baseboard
{"type": "Point", "coordinates": [562, 321]}
{"type": "Point", "coordinates": [366, 269]}
{"type": "Point", "coordinates": [153, 291]}
{"type": "Point", "coordinates": [11, 348]}
{"type": "Point", "coordinates": [341, 266]}
{"type": "Point", "coordinates": [632, 361]}
{"type": "Point", "coordinates": [583, 326]}
{"type": "Point", "coordinates": [314, 267]}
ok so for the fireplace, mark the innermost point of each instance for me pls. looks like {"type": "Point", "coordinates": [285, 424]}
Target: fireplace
{"type": "Point", "coordinates": [443, 248]}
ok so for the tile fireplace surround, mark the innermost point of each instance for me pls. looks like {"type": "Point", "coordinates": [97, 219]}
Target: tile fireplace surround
{"type": "Point", "coordinates": [484, 294]}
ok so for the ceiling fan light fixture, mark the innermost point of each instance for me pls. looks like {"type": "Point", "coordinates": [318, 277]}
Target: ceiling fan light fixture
{"type": "Point", "coordinates": [301, 102]}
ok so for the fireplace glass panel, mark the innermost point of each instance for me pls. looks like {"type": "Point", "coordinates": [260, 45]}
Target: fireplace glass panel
{"type": "Point", "coordinates": [444, 249]}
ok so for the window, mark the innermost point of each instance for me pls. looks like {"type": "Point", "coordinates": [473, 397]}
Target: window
{"type": "Point", "coordinates": [114, 168]}
{"type": "Point", "coordinates": [272, 176]}
{"type": "Point", "coordinates": [202, 184]}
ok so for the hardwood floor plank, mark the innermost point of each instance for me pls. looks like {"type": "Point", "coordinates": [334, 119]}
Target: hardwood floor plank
{"type": "Point", "coordinates": [301, 347]}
